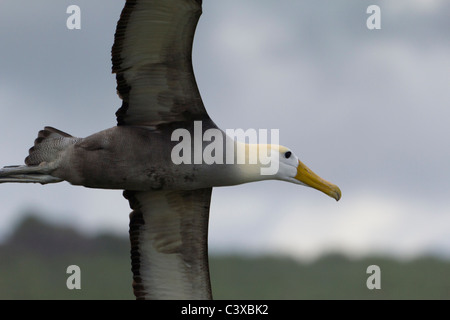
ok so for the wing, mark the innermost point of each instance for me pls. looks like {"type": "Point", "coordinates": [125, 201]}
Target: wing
{"type": "Point", "coordinates": [169, 251]}
{"type": "Point", "coordinates": [152, 60]}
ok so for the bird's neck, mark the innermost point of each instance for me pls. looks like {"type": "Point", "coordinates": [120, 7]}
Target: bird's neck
{"type": "Point", "coordinates": [252, 162]}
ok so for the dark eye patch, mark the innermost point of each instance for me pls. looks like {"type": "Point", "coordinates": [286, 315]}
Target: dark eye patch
{"type": "Point", "coordinates": [288, 154]}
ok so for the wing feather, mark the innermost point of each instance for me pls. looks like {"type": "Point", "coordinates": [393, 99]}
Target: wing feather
{"type": "Point", "coordinates": [152, 60]}
{"type": "Point", "coordinates": [169, 251]}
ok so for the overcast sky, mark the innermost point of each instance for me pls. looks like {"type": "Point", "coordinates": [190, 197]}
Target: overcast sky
{"type": "Point", "coordinates": [368, 110]}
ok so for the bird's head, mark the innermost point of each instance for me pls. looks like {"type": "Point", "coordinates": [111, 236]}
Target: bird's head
{"type": "Point", "coordinates": [291, 169]}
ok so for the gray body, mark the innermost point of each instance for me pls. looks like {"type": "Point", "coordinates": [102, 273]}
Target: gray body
{"type": "Point", "coordinates": [108, 160]}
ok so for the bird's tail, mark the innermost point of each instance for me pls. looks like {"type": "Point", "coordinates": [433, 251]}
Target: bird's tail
{"type": "Point", "coordinates": [42, 159]}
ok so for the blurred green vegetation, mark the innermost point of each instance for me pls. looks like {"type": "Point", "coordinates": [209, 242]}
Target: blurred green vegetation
{"type": "Point", "coordinates": [33, 263]}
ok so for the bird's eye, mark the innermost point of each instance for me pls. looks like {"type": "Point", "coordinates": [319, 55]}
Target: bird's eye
{"type": "Point", "coordinates": [288, 154]}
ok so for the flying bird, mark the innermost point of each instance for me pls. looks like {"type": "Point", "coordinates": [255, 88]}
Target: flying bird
{"type": "Point", "coordinates": [151, 58]}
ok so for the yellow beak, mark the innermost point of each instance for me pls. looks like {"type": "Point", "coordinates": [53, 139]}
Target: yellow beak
{"type": "Point", "coordinates": [306, 176]}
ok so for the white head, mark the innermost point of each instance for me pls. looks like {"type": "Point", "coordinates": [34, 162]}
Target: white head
{"type": "Point", "coordinates": [275, 162]}
{"type": "Point", "coordinates": [291, 169]}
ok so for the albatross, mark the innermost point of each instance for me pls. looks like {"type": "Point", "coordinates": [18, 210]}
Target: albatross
{"type": "Point", "coordinates": [151, 58]}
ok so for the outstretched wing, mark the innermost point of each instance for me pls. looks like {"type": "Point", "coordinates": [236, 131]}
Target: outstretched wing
{"type": "Point", "coordinates": [169, 251]}
{"type": "Point", "coordinates": [152, 60]}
